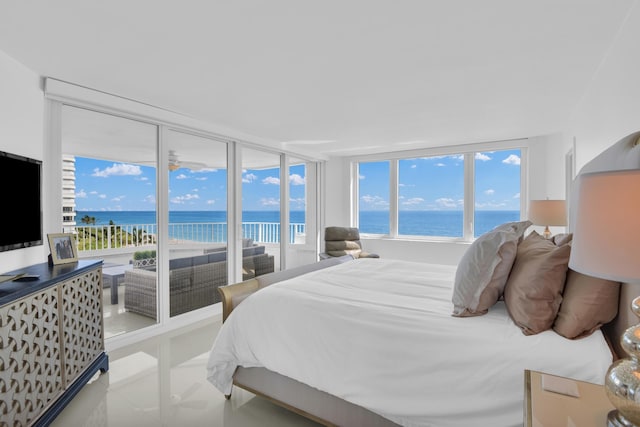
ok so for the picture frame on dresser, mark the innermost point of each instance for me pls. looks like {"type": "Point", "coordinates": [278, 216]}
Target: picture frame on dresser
{"type": "Point", "coordinates": [63, 248]}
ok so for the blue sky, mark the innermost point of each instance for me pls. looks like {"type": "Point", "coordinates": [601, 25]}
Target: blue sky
{"type": "Point", "coordinates": [109, 186]}
{"type": "Point", "coordinates": [437, 183]}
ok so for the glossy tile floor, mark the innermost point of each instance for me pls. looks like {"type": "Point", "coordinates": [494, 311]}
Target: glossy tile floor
{"type": "Point", "coordinates": [162, 382]}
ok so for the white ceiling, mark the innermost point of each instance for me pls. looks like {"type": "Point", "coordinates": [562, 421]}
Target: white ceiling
{"type": "Point", "coordinates": [338, 77]}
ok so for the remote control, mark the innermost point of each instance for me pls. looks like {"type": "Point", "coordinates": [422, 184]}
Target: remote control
{"type": "Point", "coordinates": [27, 278]}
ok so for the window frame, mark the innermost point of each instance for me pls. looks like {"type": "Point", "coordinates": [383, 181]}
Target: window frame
{"type": "Point", "coordinates": [468, 151]}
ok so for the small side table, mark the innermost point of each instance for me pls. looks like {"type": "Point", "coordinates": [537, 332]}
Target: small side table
{"type": "Point", "coordinates": [113, 277]}
{"type": "Point", "coordinates": [549, 408]}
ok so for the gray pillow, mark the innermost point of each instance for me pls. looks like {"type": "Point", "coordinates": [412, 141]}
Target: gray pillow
{"type": "Point", "coordinates": [484, 269]}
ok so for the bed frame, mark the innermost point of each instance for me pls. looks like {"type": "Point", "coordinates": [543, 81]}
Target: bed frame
{"type": "Point", "coordinates": [329, 410]}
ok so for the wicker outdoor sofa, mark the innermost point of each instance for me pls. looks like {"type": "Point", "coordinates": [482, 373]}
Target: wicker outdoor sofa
{"type": "Point", "coordinates": [193, 281]}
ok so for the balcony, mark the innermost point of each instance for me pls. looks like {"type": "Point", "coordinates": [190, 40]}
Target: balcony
{"type": "Point", "coordinates": [116, 245]}
{"type": "Point", "coordinates": [91, 238]}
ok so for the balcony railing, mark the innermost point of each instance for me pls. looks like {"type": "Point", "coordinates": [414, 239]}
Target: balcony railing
{"type": "Point", "coordinates": [102, 237]}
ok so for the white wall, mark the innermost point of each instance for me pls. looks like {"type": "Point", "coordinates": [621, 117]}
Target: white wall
{"type": "Point", "coordinates": [337, 192]}
{"type": "Point", "coordinates": [21, 132]}
{"type": "Point", "coordinates": [610, 108]}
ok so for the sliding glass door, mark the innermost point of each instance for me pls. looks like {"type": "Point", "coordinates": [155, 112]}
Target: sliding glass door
{"type": "Point", "coordinates": [151, 199]}
{"type": "Point", "coordinates": [109, 205]}
{"type": "Point", "coordinates": [260, 213]}
{"type": "Point", "coordinates": [197, 199]}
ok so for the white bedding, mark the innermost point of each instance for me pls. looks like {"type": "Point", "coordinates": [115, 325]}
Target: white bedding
{"type": "Point", "coordinates": [379, 333]}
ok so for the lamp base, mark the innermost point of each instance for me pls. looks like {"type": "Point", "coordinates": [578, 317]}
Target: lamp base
{"type": "Point", "coordinates": [546, 233]}
{"type": "Point", "coordinates": [616, 419]}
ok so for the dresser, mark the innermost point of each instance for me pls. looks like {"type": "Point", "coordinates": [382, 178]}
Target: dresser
{"type": "Point", "coordinates": [51, 340]}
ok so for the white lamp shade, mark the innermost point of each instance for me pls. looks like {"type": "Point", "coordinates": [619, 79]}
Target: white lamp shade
{"type": "Point", "coordinates": [548, 212]}
{"type": "Point", "coordinates": [606, 238]}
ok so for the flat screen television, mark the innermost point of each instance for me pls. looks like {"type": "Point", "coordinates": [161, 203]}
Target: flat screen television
{"type": "Point", "coordinates": [21, 201]}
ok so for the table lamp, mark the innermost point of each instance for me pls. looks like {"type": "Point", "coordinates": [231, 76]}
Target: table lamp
{"type": "Point", "coordinates": [548, 212]}
{"type": "Point", "coordinates": [606, 244]}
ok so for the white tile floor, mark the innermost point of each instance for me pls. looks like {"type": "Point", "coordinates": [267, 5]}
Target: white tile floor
{"type": "Point", "coordinates": [162, 382]}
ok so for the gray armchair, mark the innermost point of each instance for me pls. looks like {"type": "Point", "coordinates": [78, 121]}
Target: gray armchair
{"type": "Point", "coordinates": [340, 241]}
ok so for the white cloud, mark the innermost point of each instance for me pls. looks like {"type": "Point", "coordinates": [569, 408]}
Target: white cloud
{"type": "Point", "coordinates": [211, 202]}
{"type": "Point", "coordinates": [440, 165]}
{"type": "Point", "coordinates": [182, 176]}
{"type": "Point", "coordinates": [249, 178]}
{"type": "Point", "coordinates": [298, 203]}
{"type": "Point", "coordinates": [491, 205]}
{"type": "Point", "coordinates": [296, 179]}
{"type": "Point", "coordinates": [516, 196]}
{"type": "Point", "coordinates": [102, 196]}
{"type": "Point", "coordinates": [118, 198]}
{"type": "Point", "coordinates": [445, 202]}
{"type": "Point", "coordinates": [489, 192]}
{"type": "Point", "coordinates": [374, 200]}
{"type": "Point", "coordinates": [271, 180]}
{"type": "Point", "coordinates": [414, 166]}
{"type": "Point", "coordinates": [81, 194]}
{"type": "Point", "coordinates": [512, 160]}
{"type": "Point", "coordinates": [361, 176]}
{"type": "Point", "coordinates": [413, 201]}
{"type": "Point", "coordinates": [269, 202]}
{"type": "Point", "coordinates": [483, 157]}
{"type": "Point", "coordinates": [179, 200]}
{"type": "Point", "coordinates": [118, 169]}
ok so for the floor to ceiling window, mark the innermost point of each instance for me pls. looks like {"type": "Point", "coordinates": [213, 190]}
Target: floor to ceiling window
{"type": "Point", "coordinates": [297, 201]}
{"type": "Point", "coordinates": [109, 204]}
{"type": "Point", "coordinates": [150, 193]}
{"type": "Point", "coordinates": [197, 232]}
{"type": "Point", "coordinates": [261, 207]}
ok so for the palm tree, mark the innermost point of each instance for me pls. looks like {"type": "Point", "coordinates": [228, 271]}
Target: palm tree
{"type": "Point", "coordinates": [88, 220]}
{"type": "Point", "coordinates": [138, 235]}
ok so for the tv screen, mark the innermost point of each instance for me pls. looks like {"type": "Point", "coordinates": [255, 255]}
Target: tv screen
{"type": "Point", "coordinates": [21, 197]}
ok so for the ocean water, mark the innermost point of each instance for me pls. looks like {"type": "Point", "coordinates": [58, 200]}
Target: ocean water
{"type": "Point", "coordinates": [433, 223]}
{"type": "Point", "coordinates": [412, 223]}
{"type": "Point", "coordinates": [187, 217]}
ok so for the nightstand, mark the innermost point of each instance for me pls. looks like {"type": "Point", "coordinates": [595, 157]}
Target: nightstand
{"type": "Point", "coordinates": [589, 406]}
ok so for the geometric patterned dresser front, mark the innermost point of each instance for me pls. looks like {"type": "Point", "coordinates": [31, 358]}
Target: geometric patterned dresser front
{"type": "Point", "coordinates": [30, 362]}
{"type": "Point", "coordinates": [82, 324]}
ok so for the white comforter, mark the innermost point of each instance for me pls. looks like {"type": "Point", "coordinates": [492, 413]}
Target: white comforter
{"type": "Point", "coordinates": [379, 333]}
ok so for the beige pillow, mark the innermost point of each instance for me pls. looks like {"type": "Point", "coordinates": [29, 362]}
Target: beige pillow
{"type": "Point", "coordinates": [533, 292]}
{"type": "Point", "coordinates": [562, 239]}
{"type": "Point", "coordinates": [587, 304]}
{"type": "Point", "coordinates": [483, 270]}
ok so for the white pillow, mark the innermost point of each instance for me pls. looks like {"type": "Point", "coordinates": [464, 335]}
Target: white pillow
{"type": "Point", "coordinates": [484, 269]}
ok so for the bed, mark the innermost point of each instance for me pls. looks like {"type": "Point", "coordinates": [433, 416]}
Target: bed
{"type": "Point", "coordinates": [373, 341]}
